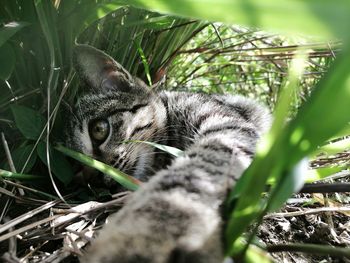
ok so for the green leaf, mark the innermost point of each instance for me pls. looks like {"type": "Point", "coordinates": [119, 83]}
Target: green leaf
{"type": "Point", "coordinates": [20, 156]}
{"type": "Point", "coordinates": [28, 121]}
{"type": "Point", "coordinates": [9, 29]}
{"type": "Point", "coordinates": [7, 61]}
{"type": "Point", "coordinates": [327, 18]}
{"type": "Point", "coordinates": [122, 178]}
{"type": "Point", "coordinates": [59, 165]}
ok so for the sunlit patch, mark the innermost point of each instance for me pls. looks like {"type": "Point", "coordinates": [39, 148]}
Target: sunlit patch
{"type": "Point", "coordinates": [296, 135]}
{"type": "Point", "coordinates": [12, 24]}
{"type": "Point", "coordinates": [247, 211]}
{"type": "Point", "coordinates": [299, 62]}
{"type": "Point", "coordinates": [305, 145]}
{"type": "Point", "coordinates": [264, 145]}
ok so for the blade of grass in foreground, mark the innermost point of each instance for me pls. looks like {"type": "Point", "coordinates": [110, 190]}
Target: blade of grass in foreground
{"type": "Point", "coordinates": [313, 125]}
{"type": "Point", "coordinates": [333, 148]}
{"type": "Point", "coordinates": [327, 18]}
{"type": "Point", "coordinates": [321, 173]}
{"type": "Point", "coordinates": [125, 180]}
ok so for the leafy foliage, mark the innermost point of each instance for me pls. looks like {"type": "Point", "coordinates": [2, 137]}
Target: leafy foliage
{"type": "Point", "coordinates": [246, 61]}
{"type": "Point", "coordinates": [36, 41]}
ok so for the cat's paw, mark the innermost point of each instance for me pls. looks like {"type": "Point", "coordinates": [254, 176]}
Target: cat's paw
{"type": "Point", "coordinates": [158, 228]}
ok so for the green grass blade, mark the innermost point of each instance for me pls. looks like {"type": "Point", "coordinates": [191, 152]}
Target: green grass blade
{"type": "Point", "coordinates": [284, 103]}
{"type": "Point", "coordinates": [300, 137]}
{"type": "Point", "coordinates": [122, 178]}
{"type": "Point", "coordinates": [333, 148]}
{"type": "Point", "coordinates": [321, 173]}
{"type": "Point", "coordinates": [144, 62]}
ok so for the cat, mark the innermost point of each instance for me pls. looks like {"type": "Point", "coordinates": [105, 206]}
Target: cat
{"type": "Point", "coordinates": [176, 215]}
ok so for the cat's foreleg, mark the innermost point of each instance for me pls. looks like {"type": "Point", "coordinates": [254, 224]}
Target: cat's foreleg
{"type": "Point", "coordinates": [176, 217]}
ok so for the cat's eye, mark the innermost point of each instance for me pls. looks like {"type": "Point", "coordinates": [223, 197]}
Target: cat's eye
{"type": "Point", "coordinates": [99, 130]}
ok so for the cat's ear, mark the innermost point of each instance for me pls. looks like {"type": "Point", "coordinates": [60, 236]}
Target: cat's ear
{"type": "Point", "coordinates": [99, 70]}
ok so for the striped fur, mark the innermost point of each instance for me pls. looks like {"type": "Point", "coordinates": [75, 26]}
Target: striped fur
{"type": "Point", "coordinates": [175, 217]}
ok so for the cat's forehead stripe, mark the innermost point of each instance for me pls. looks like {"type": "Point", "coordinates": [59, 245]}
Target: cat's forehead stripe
{"type": "Point", "coordinates": [101, 107]}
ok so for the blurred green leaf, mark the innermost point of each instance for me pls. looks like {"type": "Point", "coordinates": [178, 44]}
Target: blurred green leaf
{"type": "Point", "coordinates": [343, 133]}
{"type": "Point", "coordinates": [333, 148]}
{"type": "Point", "coordinates": [313, 125]}
{"type": "Point", "coordinates": [327, 18]}
{"type": "Point", "coordinates": [59, 165]}
{"type": "Point", "coordinates": [28, 121]}
{"type": "Point", "coordinates": [321, 173]}
{"type": "Point", "coordinates": [288, 184]}
{"type": "Point", "coordinates": [285, 101]}
{"type": "Point", "coordinates": [9, 29]}
{"type": "Point", "coordinates": [7, 61]}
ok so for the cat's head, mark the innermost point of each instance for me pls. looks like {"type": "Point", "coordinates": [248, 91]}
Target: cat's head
{"type": "Point", "coordinates": [118, 108]}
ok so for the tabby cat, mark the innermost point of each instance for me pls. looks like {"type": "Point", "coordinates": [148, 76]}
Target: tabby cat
{"type": "Point", "coordinates": [175, 216]}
